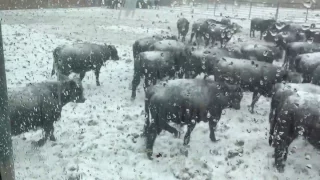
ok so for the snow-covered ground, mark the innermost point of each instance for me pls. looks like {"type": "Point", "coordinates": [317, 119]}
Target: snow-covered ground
{"type": "Point", "coordinates": [99, 140]}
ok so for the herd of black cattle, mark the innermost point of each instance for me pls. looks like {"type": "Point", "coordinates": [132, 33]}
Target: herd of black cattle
{"type": "Point", "coordinates": [184, 99]}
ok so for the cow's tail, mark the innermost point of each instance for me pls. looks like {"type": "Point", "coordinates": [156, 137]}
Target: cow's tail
{"type": "Point", "coordinates": [55, 59]}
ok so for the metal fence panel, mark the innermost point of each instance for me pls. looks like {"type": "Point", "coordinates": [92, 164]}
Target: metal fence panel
{"type": "Point", "coordinates": [263, 10]}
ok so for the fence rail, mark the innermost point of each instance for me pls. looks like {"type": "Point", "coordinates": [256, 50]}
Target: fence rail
{"type": "Point", "coordinates": [249, 9]}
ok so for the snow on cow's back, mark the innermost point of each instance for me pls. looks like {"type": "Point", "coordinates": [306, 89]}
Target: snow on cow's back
{"type": "Point", "coordinates": [306, 87]}
{"type": "Point", "coordinates": [156, 55]}
{"type": "Point", "coordinates": [250, 47]}
{"type": "Point", "coordinates": [167, 43]}
{"type": "Point", "coordinates": [304, 100]}
{"type": "Point", "coordinates": [79, 48]}
{"type": "Point", "coordinates": [310, 58]}
{"type": "Point", "coordinates": [244, 63]}
{"type": "Point", "coordinates": [299, 44]}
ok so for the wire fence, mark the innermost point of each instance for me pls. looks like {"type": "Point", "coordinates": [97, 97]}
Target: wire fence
{"type": "Point", "coordinates": [300, 12]}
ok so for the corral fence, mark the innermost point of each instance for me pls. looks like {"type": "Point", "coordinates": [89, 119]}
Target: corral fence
{"type": "Point", "coordinates": [239, 9]}
{"type": "Point", "coordinates": [38, 4]}
{"type": "Point", "coordinates": [275, 9]}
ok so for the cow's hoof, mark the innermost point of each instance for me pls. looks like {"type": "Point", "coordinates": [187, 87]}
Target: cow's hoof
{"type": "Point", "coordinates": [215, 140]}
{"type": "Point", "coordinates": [250, 109]}
{"type": "Point", "coordinates": [52, 138]}
{"type": "Point", "coordinates": [177, 135]}
{"type": "Point", "coordinates": [132, 98]}
{"type": "Point", "coordinates": [270, 141]}
{"type": "Point", "coordinates": [39, 143]}
{"type": "Point", "coordinates": [280, 169]}
{"type": "Point", "coordinates": [143, 135]}
{"type": "Point", "coordinates": [149, 154]}
{"type": "Point", "coordinates": [98, 84]}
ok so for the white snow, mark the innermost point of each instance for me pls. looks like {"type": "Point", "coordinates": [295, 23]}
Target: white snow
{"type": "Point", "coordinates": [98, 139]}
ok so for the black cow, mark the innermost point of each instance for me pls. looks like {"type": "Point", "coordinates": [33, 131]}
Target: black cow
{"type": "Point", "coordinates": [306, 65]}
{"type": "Point", "coordinates": [255, 76]}
{"type": "Point", "coordinates": [81, 58]}
{"type": "Point", "coordinates": [282, 39]}
{"type": "Point", "coordinates": [178, 48]}
{"type": "Point", "coordinates": [195, 99]}
{"type": "Point", "coordinates": [261, 52]}
{"type": "Point", "coordinates": [200, 28]}
{"type": "Point", "coordinates": [294, 49]}
{"type": "Point", "coordinates": [313, 35]}
{"type": "Point", "coordinates": [291, 32]}
{"type": "Point", "coordinates": [198, 59]}
{"type": "Point", "coordinates": [281, 92]}
{"type": "Point", "coordinates": [221, 33]}
{"type": "Point", "coordinates": [299, 114]}
{"type": "Point", "coordinates": [144, 44]}
{"type": "Point", "coordinates": [183, 28]}
{"type": "Point", "coordinates": [154, 65]}
{"type": "Point", "coordinates": [259, 24]}
{"type": "Point", "coordinates": [225, 21]}
{"type": "Point", "coordinates": [316, 76]}
{"type": "Point", "coordinates": [37, 106]}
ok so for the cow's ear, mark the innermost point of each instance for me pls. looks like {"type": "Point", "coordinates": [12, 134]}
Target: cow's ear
{"type": "Point", "coordinates": [73, 84]}
{"type": "Point", "coordinates": [238, 89]}
{"type": "Point", "coordinates": [111, 47]}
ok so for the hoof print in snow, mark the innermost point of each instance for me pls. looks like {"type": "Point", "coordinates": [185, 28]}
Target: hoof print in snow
{"type": "Point", "coordinates": [307, 156]}
{"type": "Point", "coordinates": [184, 152]}
{"type": "Point", "coordinates": [239, 143]}
{"type": "Point", "coordinates": [234, 153]}
{"type": "Point", "coordinates": [72, 169]}
{"type": "Point", "coordinates": [74, 177]}
{"type": "Point", "coordinates": [239, 162]}
{"type": "Point", "coordinates": [120, 128]}
{"type": "Point", "coordinates": [128, 61]}
{"type": "Point", "coordinates": [127, 117]}
{"type": "Point", "coordinates": [92, 123]}
{"type": "Point", "coordinates": [306, 169]}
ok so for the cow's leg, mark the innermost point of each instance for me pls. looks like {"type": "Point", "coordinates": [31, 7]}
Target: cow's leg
{"type": "Point", "coordinates": [178, 35]}
{"type": "Point", "coordinates": [171, 129]}
{"type": "Point", "coordinates": [147, 118]}
{"type": "Point", "coordinates": [152, 130]}
{"type": "Point", "coordinates": [221, 42]}
{"type": "Point", "coordinates": [255, 98]}
{"type": "Point", "coordinates": [191, 37]}
{"type": "Point", "coordinates": [135, 83]}
{"type": "Point", "coordinates": [97, 72]}
{"type": "Point", "coordinates": [48, 132]}
{"type": "Point", "coordinates": [191, 126]}
{"type": "Point", "coordinates": [260, 34]}
{"type": "Point", "coordinates": [198, 36]}
{"type": "Point", "coordinates": [212, 126]}
{"type": "Point", "coordinates": [82, 74]}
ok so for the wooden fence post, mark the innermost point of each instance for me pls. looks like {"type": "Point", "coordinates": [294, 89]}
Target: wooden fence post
{"type": "Point", "coordinates": [6, 161]}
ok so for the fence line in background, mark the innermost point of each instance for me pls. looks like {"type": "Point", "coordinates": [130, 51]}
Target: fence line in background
{"type": "Point", "coordinates": [249, 9]}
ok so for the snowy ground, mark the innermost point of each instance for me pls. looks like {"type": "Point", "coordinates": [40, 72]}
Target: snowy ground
{"type": "Point", "coordinates": [98, 139]}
